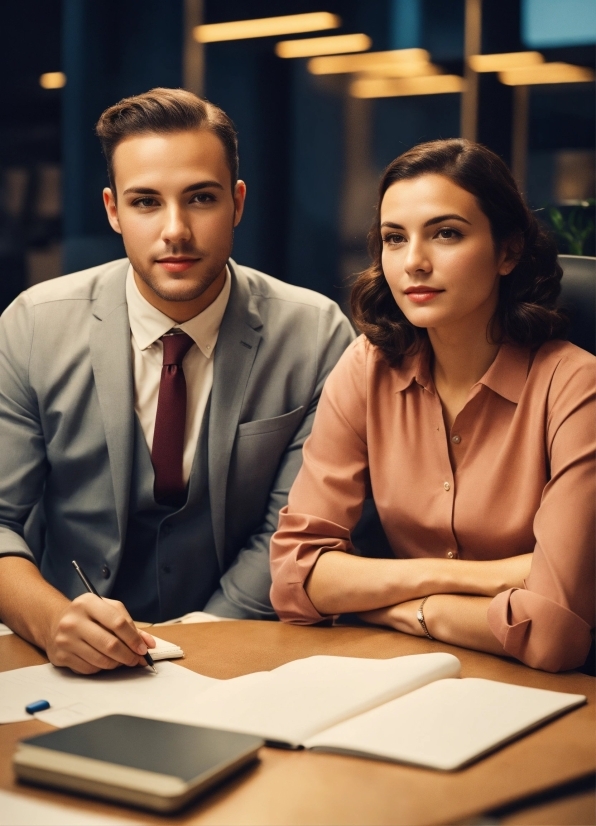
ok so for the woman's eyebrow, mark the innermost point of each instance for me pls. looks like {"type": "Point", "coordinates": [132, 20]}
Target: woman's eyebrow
{"type": "Point", "coordinates": [451, 217]}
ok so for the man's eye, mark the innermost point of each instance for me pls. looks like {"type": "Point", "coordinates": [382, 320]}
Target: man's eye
{"type": "Point", "coordinates": [203, 198]}
{"type": "Point", "coordinates": [144, 202]}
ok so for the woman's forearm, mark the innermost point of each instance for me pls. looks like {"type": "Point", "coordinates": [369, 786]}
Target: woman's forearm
{"type": "Point", "coordinates": [452, 618]}
{"type": "Point", "coordinates": [341, 583]}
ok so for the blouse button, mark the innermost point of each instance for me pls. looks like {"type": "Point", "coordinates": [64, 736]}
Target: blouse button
{"type": "Point", "coordinates": [446, 485]}
{"type": "Point", "coordinates": [456, 439]}
{"type": "Point", "coordinates": [450, 554]}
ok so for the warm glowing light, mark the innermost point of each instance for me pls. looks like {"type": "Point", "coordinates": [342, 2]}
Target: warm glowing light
{"type": "Point", "coordinates": [401, 70]}
{"type": "Point", "coordinates": [502, 62]}
{"type": "Point", "coordinates": [52, 80]}
{"type": "Point", "coordinates": [335, 44]}
{"type": "Point", "coordinates": [387, 88]}
{"type": "Point", "coordinates": [361, 62]}
{"type": "Point", "coordinates": [546, 73]}
{"type": "Point", "coordinates": [266, 27]}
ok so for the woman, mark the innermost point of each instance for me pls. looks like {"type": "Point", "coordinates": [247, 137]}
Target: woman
{"type": "Point", "coordinates": [468, 421]}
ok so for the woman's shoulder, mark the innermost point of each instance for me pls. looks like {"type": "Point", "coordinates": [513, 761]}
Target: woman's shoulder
{"type": "Point", "coordinates": [565, 359]}
{"type": "Point", "coordinates": [565, 376]}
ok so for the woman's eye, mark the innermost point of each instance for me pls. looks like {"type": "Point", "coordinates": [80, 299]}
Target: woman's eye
{"type": "Point", "coordinates": [448, 234]}
{"type": "Point", "coordinates": [393, 238]}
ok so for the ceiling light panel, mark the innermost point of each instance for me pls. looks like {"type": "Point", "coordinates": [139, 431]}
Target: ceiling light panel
{"type": "Point", "coordinates": [335, 44]}
{"type": "Point", "coordinates": [384, 88]}
{"type": "Point", "coordinates": [52, 80]}
{"type": "Point", "coordinates": [546, 73]}
{"type": "Point", "coordinates": [502, 62]}
{"type": "Point", "coordinates": [266, 27]}
{"type": "Point", "coordinates": [361, 62]}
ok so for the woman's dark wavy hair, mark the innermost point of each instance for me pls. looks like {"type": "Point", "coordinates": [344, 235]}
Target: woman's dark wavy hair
{"type": "Point", "coordinates": [527, 312]}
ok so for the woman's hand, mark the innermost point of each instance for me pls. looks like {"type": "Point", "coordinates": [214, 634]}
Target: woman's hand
{"type": "Point", "coordinates": [507, 573]}
{"type": "Point", "coordinates": [451, 618]}
{"type": "Point", "coordinates": [401, 617]}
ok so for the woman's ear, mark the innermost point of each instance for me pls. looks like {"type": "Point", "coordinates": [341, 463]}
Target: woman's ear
{"type": "Point", "coordinates": [511, 253]}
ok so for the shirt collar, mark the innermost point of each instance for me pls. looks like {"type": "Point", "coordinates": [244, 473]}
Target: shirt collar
{"type": "Point", "coordinates": [508, 373]}
{"type": "Point", "coordinates": [148, 324]}
{"type": "Point", "coordinates": [506, 376]}
{"type": "Point", "coordinates": [415, 368]}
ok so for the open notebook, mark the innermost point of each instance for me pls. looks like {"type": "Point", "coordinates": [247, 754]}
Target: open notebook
{"type": "Point", "coordinates": [410, 709]}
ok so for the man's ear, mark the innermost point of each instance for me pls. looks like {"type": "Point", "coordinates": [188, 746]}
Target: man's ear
{"type": "Point", "coordinates": [239, 198]}
{"type": "Point", "coordinates": [511, 253]}
{"type": "Point", "coordinates": [110, 204]}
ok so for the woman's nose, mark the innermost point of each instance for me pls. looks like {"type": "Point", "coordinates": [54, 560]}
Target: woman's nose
{"type": "Point", "coordinates": [416, 257]}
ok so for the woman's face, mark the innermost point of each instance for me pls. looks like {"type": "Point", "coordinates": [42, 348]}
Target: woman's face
{"type": "Point", "coordinates": [439, 256]}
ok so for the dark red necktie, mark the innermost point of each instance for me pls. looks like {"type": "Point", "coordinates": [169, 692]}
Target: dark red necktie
{"type": "Point", "coordinates": [170, 421]}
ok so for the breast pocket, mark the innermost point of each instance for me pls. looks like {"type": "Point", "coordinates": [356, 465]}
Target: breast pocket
{"type": "Point", "coordinates": [278, 424]}
{"type": "Point", "coordinates": [260, 446]}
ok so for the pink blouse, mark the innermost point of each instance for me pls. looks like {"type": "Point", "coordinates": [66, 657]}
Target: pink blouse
{"type": "Point", "coordinates": [523, 479]}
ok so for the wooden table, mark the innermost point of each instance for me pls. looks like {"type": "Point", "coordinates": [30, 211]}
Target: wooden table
{"type": "Point", "coordinates": [300, 787]}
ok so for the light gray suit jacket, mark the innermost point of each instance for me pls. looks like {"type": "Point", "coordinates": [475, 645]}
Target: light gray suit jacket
{"type": "Point", "coordinates": [67, 417]}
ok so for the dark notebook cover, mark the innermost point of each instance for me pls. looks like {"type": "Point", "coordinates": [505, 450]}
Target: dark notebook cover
{"type": "Point", "coordinates": [173, 749]}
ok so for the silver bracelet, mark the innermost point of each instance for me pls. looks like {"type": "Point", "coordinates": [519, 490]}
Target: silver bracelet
{"type": "Point", "coordinates": [420, 617]}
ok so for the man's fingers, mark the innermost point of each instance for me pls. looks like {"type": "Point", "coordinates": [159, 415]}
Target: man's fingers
{"type": "Point", "coordinates": [149, 640]}
{"type": "Point", "coordinates": [114, 617]}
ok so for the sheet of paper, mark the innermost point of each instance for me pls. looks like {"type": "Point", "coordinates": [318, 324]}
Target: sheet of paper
{"type": "Point", "coordinates": [304, 696]}
{"type": "Point", "coordinates": [4, 630]}
{"type": "Point", "coordinates": [19, 810]}
{"type": "Point", "coordinates": [171, 693]}
{"type": "Point", "coordinates": [194, 616]}
{"type": "Point", "coordinates": [446, 724]}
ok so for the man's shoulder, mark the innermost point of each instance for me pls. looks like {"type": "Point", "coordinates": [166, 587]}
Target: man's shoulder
{"type": "Point", "coordinates": [268, 288]}
{"type": "Point", "coordinates": [77, 286]}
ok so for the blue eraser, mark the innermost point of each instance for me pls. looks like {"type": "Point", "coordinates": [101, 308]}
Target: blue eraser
{"type": "Point", "coordinates": [38, 705]}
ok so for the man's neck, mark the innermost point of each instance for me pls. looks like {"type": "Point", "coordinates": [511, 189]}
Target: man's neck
{"type": "Point", "coordinates": [181, 311]}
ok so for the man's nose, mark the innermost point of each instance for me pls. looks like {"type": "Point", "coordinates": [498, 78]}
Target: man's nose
{"type": "Point", "coordinates": [176, 227]}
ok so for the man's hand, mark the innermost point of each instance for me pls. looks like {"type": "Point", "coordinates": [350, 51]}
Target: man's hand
{"type": "Point", "coordinates": [87, 635]}
{"type": "Point", "coordinates": [93, 634]}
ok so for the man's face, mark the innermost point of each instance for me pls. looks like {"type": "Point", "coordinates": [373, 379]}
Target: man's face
{"type": "Point", "coordinates": [176, 212]}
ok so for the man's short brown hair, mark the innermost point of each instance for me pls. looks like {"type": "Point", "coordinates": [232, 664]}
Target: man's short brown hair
{"type": "Point", "coordinates": [165, 110]}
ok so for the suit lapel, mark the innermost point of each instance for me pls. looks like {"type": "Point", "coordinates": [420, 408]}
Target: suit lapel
{"type": "Point", "coordinates": [235, 352]}
{"type": "Point", "coordinates": [112, 369]}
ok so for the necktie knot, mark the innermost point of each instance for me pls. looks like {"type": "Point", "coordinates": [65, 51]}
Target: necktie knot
{"type": "Point", "coordinates": [175, 347]}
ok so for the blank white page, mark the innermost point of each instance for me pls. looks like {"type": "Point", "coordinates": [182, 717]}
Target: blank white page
{"type": "Point", "coordinates": [446, 724]}
{"type": "Point", "coordinates": [304, 696]}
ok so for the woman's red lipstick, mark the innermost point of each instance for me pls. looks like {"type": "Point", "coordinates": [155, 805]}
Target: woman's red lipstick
{"type": "Point", "coordinates": [421, 294]}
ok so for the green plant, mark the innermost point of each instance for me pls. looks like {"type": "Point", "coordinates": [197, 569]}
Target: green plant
{"type": "Point", "coordinates": [575, 227]}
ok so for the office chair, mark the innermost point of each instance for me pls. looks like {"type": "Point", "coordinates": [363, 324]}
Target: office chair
{"type": "Point", "coordinates": [578, 297]}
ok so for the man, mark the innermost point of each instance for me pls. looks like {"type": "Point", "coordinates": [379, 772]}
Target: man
{"type": "Point", "coordinates": [153, 410]}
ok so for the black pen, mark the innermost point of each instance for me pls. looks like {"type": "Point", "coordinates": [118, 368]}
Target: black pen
{"type": "Point", "coordinates": [90, 587]}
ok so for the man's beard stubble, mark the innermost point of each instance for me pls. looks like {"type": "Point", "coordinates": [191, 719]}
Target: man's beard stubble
{"type": "Point", "coordinates": [191, 291]}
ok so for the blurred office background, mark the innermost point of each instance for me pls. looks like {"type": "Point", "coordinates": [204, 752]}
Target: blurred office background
{"type": "Point", "coordinates": [315, 132]}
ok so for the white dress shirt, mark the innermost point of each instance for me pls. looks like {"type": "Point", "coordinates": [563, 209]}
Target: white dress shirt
{"type": "Point", "coordinates": [147, 326]}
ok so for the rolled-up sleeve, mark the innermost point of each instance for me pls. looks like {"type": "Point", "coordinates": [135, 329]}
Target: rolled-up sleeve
{"type": "Point", "coordinates": [548, 624]}
{"type": "Point", "coordinates": [326, 499]}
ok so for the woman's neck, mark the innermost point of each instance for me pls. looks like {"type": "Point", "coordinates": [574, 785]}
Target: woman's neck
{"type": "Point", "coordinates": [461, 358]}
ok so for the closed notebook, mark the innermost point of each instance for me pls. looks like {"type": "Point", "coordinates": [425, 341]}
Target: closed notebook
{"type": "Point", "coordinates": [149, 763]}
{"type": "Point", "coordinates": [165, 650]}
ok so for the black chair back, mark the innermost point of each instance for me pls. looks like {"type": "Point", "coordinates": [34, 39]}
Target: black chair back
{"type": "Point", "coordinates": [578, 297]}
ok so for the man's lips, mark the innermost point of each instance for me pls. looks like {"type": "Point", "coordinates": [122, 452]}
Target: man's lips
{"type": "Point", "coordinates": [177, 263]}
{"type": "Point", "coordinates": [421, 294]}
